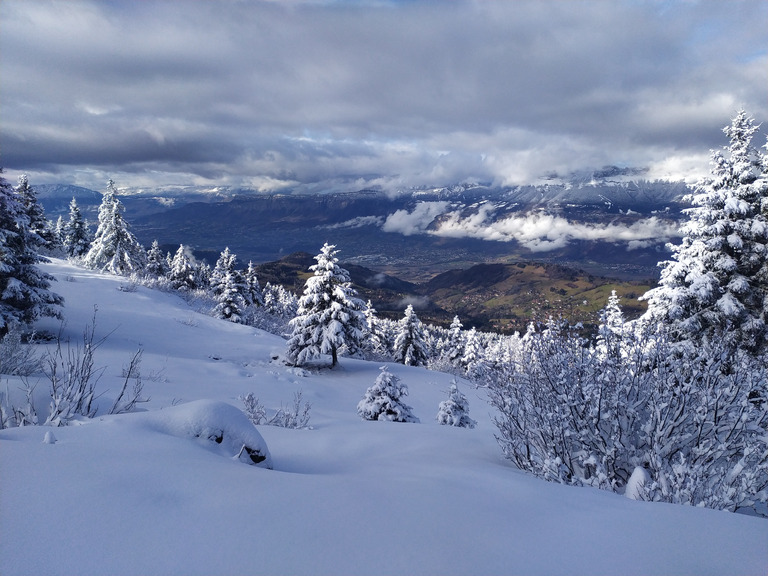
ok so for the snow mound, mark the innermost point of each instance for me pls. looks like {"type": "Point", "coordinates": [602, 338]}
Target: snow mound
{"type": "Point", "coordinates": [219, 423]}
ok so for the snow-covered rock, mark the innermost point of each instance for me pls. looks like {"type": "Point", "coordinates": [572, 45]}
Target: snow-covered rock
{"type": "Point", "coordinates": [218, 423]}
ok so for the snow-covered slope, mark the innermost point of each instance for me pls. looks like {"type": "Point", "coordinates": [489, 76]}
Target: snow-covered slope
{"type": "Point", "coordinates": [133, 494]}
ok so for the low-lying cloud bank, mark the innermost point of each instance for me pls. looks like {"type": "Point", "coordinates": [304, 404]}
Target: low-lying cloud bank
{"type": "Point", "coordinates": [538, 231]}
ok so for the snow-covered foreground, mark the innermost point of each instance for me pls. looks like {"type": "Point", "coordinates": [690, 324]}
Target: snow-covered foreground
{"type": "Point", "coordinates": [139, 494]}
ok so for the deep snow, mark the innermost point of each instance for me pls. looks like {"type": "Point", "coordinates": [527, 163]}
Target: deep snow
{"type": "Point", "coordinates": [127, 495]}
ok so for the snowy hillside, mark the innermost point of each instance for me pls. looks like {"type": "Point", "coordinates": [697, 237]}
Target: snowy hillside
{"type": "Point", "coordinates": [147, 493]}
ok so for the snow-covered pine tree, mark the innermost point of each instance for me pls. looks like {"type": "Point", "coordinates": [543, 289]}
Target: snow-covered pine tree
{"type": "Point", "coordinates": [374, 341]}
{"type": "Point", "coordinates": [182, 273]}
{"type": "Point", "coordinates": [231, 304]}
{"type": "Point", "coordinates": [456, 341]}
{"type": "Point", "coordinates": [38, 223]}
{"type": "Point", "coordinates": [330, 316]}
{"type": "Point", "coordinates": [253, 294]}
{"type": "Point", "coordinates": [224, 265]}
{"type": "Point", "coordinates": [157, 266]}
{"type": "Point", "coordinates": [58, 231]}
{"type": "Point", "coordinates": [473, 356]}
{"type": "Point", "coordinates": [410, 346]}
{"type": "Point", "coordinates": [280, 302]}
{"type": "Point", "coordinates": [383, 400]}
{"type": "Point", "coordinates": [77, 239]}
{"type": "Point", "coordinates": [455, 410]}
{"type": "Point", "coordinates": [115, 248]}
{"type": "Point", "coordinates": [715, 280]}
{"type": "Point", "coordinates": [228, 286]}
{"type": "Point", "coordinates": [24, 288]}
{"type": "Point", "coordinates": [203, 273]}
{"type": "Point", "coordinates": [610, 332]}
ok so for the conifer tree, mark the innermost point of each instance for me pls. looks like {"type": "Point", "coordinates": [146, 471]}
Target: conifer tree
{"type": "Point", "coordinates": [456, 341]}
{"type": "Point", "coordinates": [330, 316]}
{"type": "Point", "coordinates": [224, 265]}
{"type": "Point", "coordinates": [24, 288]}
{"type": "Point", "coordinates": [410, 346]}
{"type": "Point", "coordinates": [473, 354]}
{"type": "Point", "coordinates": [253, 294]}
{"type": "Point", "coordinates": [231, 303]}
{"type": "Point", "coordinates": [374, 340]}
{"type": "Point", "coordinates": [182, 273]}
{"type": "Point", "coordinates": [228, 286]}
{"type": "Point", "coordinates": [383, 400]}
{"type": "Point", "coordinates": [715, 281]}
{"type": "Point", "coordinates": [157, 266]}
{"type": "Point", "coordinates": [115, 248]}
{"type": "Point", "coordinates": [455, 410]}
{"type": "Point", "coordinates": [77, 240]}
{"type": "Point", "coordinates": [38, 223]}
{"type": "Point", "coordinates": [611, 331]}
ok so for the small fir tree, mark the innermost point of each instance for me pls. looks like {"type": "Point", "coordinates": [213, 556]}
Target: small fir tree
{"type": "Point", "coordinates": [115, 248]}
{"type": "Point", "coordinates": [77, 239]}
{"type": "Point", "coordinates": [383, 400]}
{"type": "Point", "coordinates": [455, 410]}
{"type": "Point", "coordinates": [225, 265]}
{"type": "Point", "coordinates": [157, 265]}
{"type": "Point", "coordinates": [374, 340]}
{"type": "Point", "coordinates": [182, 273]}
{"type": "Point", "coordinates": [253, 294]}
{"type": "Point", "coordinates": [231, 304]}
{"type": "Point", "coordinates": [473, 356]}
{"type": "Point", "coordinates": [456, 341]}
{"type": "Point", "coordinates": [38, 223]}
{"type": "Point", "coordinates": [330, 316]}
{"type": "Point", "coordinates": [410, 346]}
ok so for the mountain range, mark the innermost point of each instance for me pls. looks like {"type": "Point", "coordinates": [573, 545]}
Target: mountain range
{"type": "Point", "coordinates": [492, 255]}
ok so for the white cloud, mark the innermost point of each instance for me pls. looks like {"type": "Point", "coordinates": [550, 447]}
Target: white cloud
{"type": "Point", "coordinates": [358, 222]}
{"type": "Point", "coordinates": [415, 222]}
{"type": "Point", "coordinates": [540, 232]}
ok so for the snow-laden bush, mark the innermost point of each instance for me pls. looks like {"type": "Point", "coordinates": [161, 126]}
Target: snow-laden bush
{"type": "Point", "coordinates": [696, 423]}
{"type": "Point", "coordinates": [17, 357]}
{"type": "Point", "coordinates": [455, 410]}
{"type": "Point", "coordinates": [383, 400]}
{"type": "Point", "coordinates": [294, 416]}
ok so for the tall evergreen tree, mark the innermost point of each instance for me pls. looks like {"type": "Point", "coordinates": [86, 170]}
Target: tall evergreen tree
{"type": "Point", "coordinates": [230, 302]}
{"type": "Point", "coordinates": [76, 237]}
{"type": "Point", "coordinates": [716, 279]}
{"type": "Point", "coordinates": [330, 316]}
{"type": "Point", "coordinates": [182, 272]}
{"type": "Point", "coordinates": [38, 223]}
{"type": "Point", "coordinates": [473, 355]}
{"type": "Point", "coordinates": [374, 339]}
{"type": "Point", "coordinates": [157, 266]}
{"type": "Point", "coordinates": [456, 341]}
{"type": "Point", "coordinates": [115, 248]}
{"type": "Point", "coordinates": [225, 265]}
{"type": "Point", "coordinates": [228, 285]}
{"type": "Point", "coordinates": [24, 288]}
{"type": "Point", "coordinates": [410, 346]}
{"type": "Point", "coordinates": [253, 294]}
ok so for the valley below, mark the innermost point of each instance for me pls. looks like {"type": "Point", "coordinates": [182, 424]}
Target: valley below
{"type": "Point", "coordinates": [497, 258]}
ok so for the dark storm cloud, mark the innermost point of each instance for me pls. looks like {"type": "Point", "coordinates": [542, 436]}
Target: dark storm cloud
{"type": "Point", "coordinates": [338, 94]}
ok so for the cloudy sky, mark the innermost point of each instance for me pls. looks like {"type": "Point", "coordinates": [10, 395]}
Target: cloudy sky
{"type": "Point", "coordinates": [318, 95]}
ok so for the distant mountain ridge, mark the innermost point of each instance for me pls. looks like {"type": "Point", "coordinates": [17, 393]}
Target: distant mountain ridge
{"type": "Point", "coordinates": [608, 226]}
